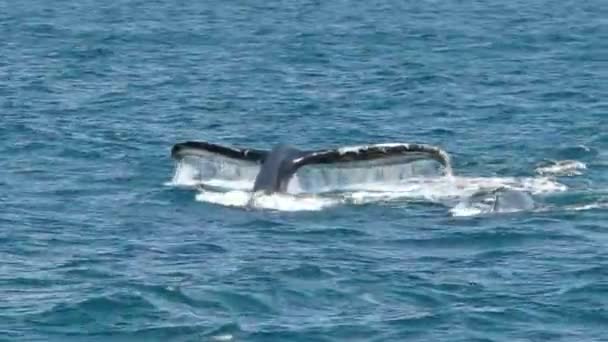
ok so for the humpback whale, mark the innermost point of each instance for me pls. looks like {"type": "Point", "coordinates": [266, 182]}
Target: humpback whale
{"type": "Point", "coordinates": [276, 167]}
{"type": "Point", "coordinates": [499, 200]}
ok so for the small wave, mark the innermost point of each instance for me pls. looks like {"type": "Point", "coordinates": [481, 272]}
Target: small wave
{"type": "Point", "coordinates": [465, 210]}
{"type": "Point", "coordinates": [562, 168]}
{"type": "Point", "coordinates": [591, 206]}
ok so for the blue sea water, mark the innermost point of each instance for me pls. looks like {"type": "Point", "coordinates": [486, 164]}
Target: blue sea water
{"type": "Point", "coordinates": [96, 246]}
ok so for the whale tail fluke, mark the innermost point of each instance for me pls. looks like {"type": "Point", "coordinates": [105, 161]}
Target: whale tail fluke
{"type": "Point", "coordinates": [311, 171]}
{"type": "Point", "coordinates": [204, 164]}
{"type": "Point", "coordinates": [378, 155]}
{"type": "Point", "coordinates": [356, 167]}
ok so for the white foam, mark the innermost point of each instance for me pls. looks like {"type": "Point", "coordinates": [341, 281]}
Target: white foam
{"type": "Point", "coordinates": [285, 202]}
{"type": "Point", "coordinates": [442, 190]}
{"type": "Point", "coordinates": [451, 187]}
{"type": "Point", "coordinates": [241, 184]}
{"type": "Point", "coordinates": [234, 198]}
{"type": "Point", "coordinates": [280, 202]}
{"type": "Point", "coordinates": [447, 190]}
{"type": "Point", "coordinates": [562, 168]}
{"type": "Point", "coordinates": [464, 210]}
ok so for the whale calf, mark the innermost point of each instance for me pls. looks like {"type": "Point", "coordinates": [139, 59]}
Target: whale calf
{"type": "Point", "coordinates": [276, 167]}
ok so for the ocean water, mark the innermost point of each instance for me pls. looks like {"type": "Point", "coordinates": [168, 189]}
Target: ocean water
{"type": "Point", "coordinates": [99, 242]}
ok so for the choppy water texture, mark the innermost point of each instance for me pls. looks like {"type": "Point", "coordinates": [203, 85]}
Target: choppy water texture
{"type": "Point", "coordinates": [95, 246]}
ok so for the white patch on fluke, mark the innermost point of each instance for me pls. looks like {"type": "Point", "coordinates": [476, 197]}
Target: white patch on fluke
{"type": "Point", "coordinates": [359, 148]}
{"type": "Point", "coordinates": [234, 198]}
{"type": "Point", "coordinates": [447, 188]}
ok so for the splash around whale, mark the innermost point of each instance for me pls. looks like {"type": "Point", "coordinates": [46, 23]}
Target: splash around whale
{"type": "Point", "coordinates": [270, 178]}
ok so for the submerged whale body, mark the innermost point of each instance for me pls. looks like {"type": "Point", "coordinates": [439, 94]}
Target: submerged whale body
{"type": "Point", "coordinates": [501, 200]}
{"type": "Point", "coordinates": [274, 169]}
{"type": "Point", "coordinates": [509, 200]}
